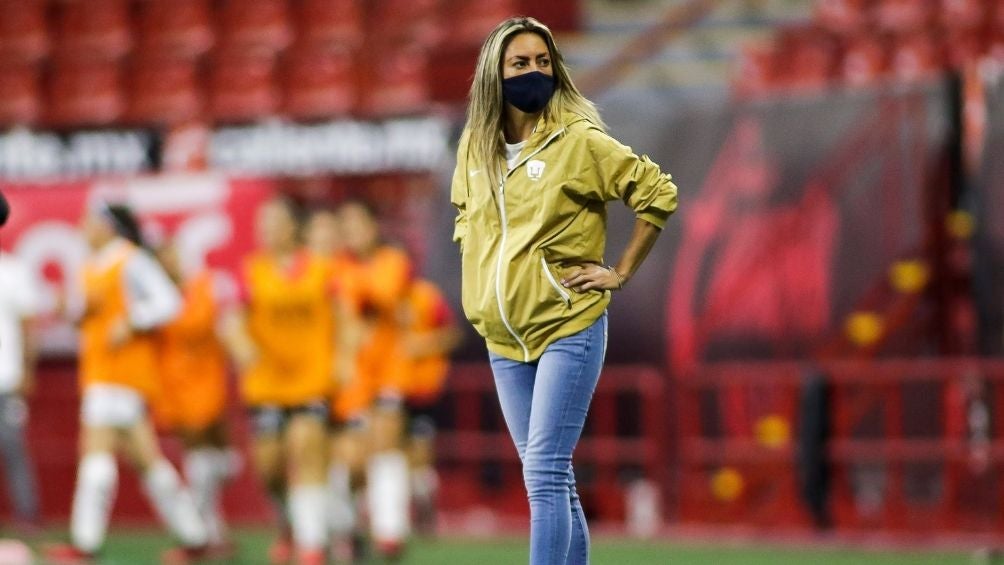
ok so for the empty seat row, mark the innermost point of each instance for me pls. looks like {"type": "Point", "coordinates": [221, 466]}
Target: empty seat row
{"type": "Point", "coordinates": [107, 29]}
{"type": "Point", "coordinates": [151, 88]}
{"type": "Point", "coordinates": [853, 16]}
{"type": "Point", "coordinates": [808, 57]}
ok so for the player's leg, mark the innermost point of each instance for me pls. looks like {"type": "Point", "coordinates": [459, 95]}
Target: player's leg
{"type": "Point", "coordinates": [103, 411]}
{"type": "Point", "coordinates": [268, 423]}
{"type": "Point", "coordinates": [16, 461]}
{"type": "Point", "coordinates": [346, 485]}
{"type": "Point", "coordinates": [421, 439]}
{"type": "Point", "coordinates": [97, 481]}
{"type": "Point", "coordinates": [347, 462]}
{"type": "Point", "coordinates": [162, 484]}
{"type": "Point", "coordinates": [387, 478]}
{"type": "Point", "coordinates": [208, 464]}
{"type": "Point", "coordinates": [306, 442]}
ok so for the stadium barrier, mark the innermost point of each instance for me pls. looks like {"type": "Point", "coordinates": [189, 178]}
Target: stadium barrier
{"type": "Point", "coordinates": [625, 441]}
{"type": "Point", "coordinates": [909, 445]}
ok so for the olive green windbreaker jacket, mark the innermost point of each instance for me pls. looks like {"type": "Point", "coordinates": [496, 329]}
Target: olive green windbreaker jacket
{"type": "Point", "coordinates": [520, 231]}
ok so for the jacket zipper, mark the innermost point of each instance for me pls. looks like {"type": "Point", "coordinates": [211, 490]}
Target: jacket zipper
{"type": "Point", "coordinates": [505, 233]}
{"type": "Point", "coordinates": [498, 274]}
{"type": "Point", "coordinates": [554, 283]}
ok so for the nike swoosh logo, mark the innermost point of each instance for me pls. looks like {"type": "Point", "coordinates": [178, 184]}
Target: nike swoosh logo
{"type": "Point", "coordinates": [475, 171]}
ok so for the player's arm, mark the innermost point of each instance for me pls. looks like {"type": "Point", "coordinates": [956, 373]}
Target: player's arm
{"type": "Point", "coordinates": [152, 299]}
{"type": "Point", "coordinates": [348, 338]}
{"type": "Point", "coordinates": [441, 339]}
{"type": "Point", "coordinates": [237, 339]}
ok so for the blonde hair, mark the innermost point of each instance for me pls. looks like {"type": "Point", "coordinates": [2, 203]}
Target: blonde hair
{"type": "Point", "coordinates": [485, 115]}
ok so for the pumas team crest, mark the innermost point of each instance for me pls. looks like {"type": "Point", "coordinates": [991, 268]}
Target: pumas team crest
{"type": "Point", "coordinates": [535, 169]}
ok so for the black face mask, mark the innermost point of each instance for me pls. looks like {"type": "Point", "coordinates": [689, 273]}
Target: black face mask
{"type": "Point", "coordinates": [530, 92]}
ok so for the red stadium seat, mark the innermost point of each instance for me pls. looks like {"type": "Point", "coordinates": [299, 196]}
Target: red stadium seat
{"type": "Point", "coordinates": [320, 82]}
{"type": "Point", "coordinates": [964, 45]}
{"type": "Point", "coordinates": [813, 63]}
{"type": "Point", "coordinates": [864, 62]}
{"type": "Point", "coordinates": [474, 20]}
{"type": "Point", "coordinates": [995, 46]}
{"type": "Point", "coordinates": [23, 33]}
{"type": "Point", "coordinates": [396, 80]}
{"type": "Point", "coordinates": [85, 93]}
{"type": "Point", "coordinates": [97, 29]}
{"type": "Point", "coordinates": [180, 27]}
{"type": "Point", "coordinates": [916, 57]}
{"type": "Point", "coordinates": [259, 25]}
{"type": "Point", "coordinates": [806, 57]}
{"type": "Point", "coordinates": [330, 22]}
{"type": "Point", "coordinates": [243, 88]}
{"type": "Point", "coordinates": [164, 90]}
{"type": "Point", "coordinates": [20, 100]}
{"type": "Point", "coordinates": [757, 71]}
{"type": "Point", "coordinates": [967, 14]}
{"type": "Point", "coordinates": [408, 21]}
{"type": "Point", "coordinates": [905, 15]}
{"type": "Point", "coordinates": [842, 16]}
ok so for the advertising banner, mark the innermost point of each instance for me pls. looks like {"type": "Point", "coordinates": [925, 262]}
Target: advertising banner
{"type": "Point", "coordinates": [209, 217]}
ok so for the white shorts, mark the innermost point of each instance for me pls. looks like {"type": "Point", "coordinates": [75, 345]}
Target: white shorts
{"type": "Point", "coordinates": [108, 405]}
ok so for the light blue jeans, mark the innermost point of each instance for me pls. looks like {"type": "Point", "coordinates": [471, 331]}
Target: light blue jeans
{"type": "Point", "coordinates": [545, 404]}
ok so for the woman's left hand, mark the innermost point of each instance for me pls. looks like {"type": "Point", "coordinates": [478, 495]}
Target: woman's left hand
{"type": "Point", "coordinates": [593, 277]}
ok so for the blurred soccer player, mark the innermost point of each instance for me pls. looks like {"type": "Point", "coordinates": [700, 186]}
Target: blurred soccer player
{"type": "Point", "coordinates": [282, 340]}
{"type": "Point", "coordinates": [350, 398]}
{"type": "Point", "coordinates": [380, 277]}
{"type": "Point", "coordinates": [429, 335]}
{"type": "Point", "coordinates": [193, 392]}
{"type": "Point", "coordinates": [126, 298]}
{"type": "Point", "coordinates": [18, 306]}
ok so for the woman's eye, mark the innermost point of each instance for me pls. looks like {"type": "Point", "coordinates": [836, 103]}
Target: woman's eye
{"type": "Point", "coordinates": [544, 62]}
{"type": "Point", "coordinates": [520, 64]}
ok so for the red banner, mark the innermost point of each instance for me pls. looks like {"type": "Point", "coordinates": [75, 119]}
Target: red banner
{"type": "Point", "coordinates": [209, 217]}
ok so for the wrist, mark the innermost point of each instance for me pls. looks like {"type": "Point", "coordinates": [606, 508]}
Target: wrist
{"type": "Point", "coordinates": [621, 279]}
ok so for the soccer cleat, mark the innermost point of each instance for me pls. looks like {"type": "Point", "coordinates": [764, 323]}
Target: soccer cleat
{"type": "Point", "coordinates": [311, 557]}
{"type": "Point", "coordinates": [391, 550]}
{"type": "Point", "coordinates": [184, 555]}
{"type": "Point", "coordinates": [66, 554]}
{"type": "Point", "coordinates": [281, 550]}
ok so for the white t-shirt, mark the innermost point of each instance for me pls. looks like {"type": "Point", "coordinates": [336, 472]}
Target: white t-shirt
{"type": "Point", "coordinates": [18, 300]}
{"type": "Point", "coordinates": [512, 151]}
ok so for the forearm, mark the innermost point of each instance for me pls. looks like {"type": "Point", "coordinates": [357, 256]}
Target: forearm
{"type": "Point", "coordinates": [237, 339]}
{"type": "Point", "coordinates": [642, 240]}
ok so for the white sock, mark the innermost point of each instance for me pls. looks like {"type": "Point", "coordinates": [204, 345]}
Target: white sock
{"type": "Point", "coordinates": [307, 516]}
{"type": "Point", "coordinates": [97, 479]}
{"type": "Point", "coordinates": [387, 496]}
{"type": "Point", "coordinates": [174, 504]}
{"type": "Point", "coordinates": [341, 509]}
{"type": "Point", "coordinates": [205, 475]}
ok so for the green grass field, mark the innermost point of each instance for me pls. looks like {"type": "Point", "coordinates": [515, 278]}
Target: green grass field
{"type": "Point", "coordinates": [141, 547]}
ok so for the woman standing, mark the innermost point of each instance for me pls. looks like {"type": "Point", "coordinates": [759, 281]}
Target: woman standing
{"type": "Point", "coordinates": [535, 170]}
